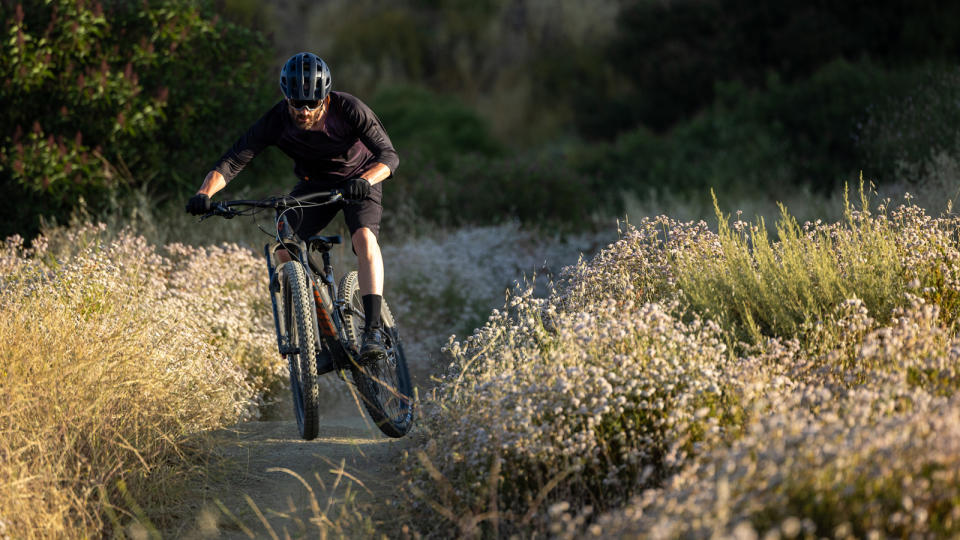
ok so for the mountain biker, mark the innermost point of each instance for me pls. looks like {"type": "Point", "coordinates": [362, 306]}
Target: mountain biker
{"type": "Point", "coordinates": [335, 141]}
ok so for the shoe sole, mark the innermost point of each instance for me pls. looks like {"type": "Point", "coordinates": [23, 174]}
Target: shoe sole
{"type": "Point", "coordinates": [372, 357]}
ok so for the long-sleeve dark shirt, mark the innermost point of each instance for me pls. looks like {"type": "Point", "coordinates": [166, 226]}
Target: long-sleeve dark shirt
{"type": "Point", "coordinates": [350, 141]}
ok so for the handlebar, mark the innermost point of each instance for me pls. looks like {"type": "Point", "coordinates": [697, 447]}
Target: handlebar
{"type": "Point", "coordinates": [225, 208]}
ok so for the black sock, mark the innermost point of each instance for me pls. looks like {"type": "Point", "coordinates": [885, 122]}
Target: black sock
{"type": "Point", "coordinates": [371, 311]}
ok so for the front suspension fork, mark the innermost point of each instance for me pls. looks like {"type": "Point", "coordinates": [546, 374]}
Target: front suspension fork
{"type": "Point", "coordinates": [283, 345]}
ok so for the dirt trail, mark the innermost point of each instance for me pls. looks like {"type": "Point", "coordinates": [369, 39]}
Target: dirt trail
{"type": "Point", "coordinates": [349, 467]}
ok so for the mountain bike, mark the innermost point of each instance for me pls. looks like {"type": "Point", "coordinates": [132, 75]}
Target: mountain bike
{"type": "Point", "coordinates": [319, 324]}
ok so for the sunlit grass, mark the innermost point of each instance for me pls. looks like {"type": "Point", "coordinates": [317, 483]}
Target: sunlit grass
{"type": "Point", "coordinates": [112, 361]}
{"type": "Point", "coordinates": [773, 285]}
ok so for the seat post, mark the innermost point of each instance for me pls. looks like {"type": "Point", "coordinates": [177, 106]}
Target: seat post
{"type": "Point", "coordinates": [327, 267]}
{"type": "Point", "coordinates": [323, 245]}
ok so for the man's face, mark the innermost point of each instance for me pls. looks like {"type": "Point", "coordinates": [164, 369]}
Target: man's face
{"type": "Point", "coordinates": [305, 114]}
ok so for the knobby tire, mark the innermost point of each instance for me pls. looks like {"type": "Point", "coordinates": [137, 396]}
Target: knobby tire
{"type": "Point", "coordinates": [299, 314]}
{"type": "Point", "coordinates": [385, 386]}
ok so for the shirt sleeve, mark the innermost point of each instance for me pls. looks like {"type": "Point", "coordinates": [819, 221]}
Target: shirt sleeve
{"type": "Point", "coordinates": [260, 135]}
{"type": "Point", "coordinates": [372, 134]}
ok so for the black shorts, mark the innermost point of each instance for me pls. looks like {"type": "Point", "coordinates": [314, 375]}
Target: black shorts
{"type": "Point", "coordinates": [310, 221]}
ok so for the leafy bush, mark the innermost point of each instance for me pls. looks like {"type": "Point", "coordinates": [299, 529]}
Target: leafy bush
{"type": "Point", "coordinates": [453, 171]}
{"type": "Point", "coordinates": [106, 95]}
{"type": "Point", "coordinates": [727, 149]}
{"type": "Point", "coordinates": [525, 66]}
{"type": "Point", "coordinates": [533, 187]}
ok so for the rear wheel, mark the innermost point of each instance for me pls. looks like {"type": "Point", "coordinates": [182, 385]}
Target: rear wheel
{"type": "Point", "coordinates": [299, 316]}
{"type": "Point", "coordinates": [384, 385]}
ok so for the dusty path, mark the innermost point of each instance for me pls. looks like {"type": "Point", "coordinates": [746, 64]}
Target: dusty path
{"type": "Point", "coordinates": [259, 491]}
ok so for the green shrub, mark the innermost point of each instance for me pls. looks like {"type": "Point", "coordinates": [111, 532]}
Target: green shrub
{"type": "Point", "coordinates": [434, 128]}
{"type": "Point", "coordinates": [453, 171]}
{"type": "Point", "coordinates": [758, 288]}
{"type": "Point", "coordinates": [101, 96]}
{"type": "Point", "coordinates": [724, 148]}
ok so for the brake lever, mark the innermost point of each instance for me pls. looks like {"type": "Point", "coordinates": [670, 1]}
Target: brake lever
{"type": "Point", "coordinates": [218, 209]}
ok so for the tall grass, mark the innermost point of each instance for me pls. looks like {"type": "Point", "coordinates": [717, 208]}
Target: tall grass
{"type": "Point", "coordinates": [113, 358]}
{"type": "Point", "coordinates": [757, 287]}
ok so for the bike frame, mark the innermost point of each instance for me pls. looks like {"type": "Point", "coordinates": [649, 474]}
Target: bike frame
{"type": "Point", "coordinates": [329, 323]}
{"type": "Point", "coordinates": [335, 350]}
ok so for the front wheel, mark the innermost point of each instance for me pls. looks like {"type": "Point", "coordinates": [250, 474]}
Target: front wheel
{"type": "Point", "coordinates": [385, 385]}
{"type": "Point", "coordinates": [302, 340]}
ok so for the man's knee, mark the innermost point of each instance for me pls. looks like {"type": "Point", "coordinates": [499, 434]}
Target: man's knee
{"type": "Point", "coordinates": [364, 241]}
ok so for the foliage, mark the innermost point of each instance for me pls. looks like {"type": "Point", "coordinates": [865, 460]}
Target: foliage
{"type": "Point", "coordinates": [107, 95]}
{"type": "Point", "coordinates": [748, 144]}
{"type": "Point", "coordinates": [757, 289]}
{"type": "Point", "coordinates": [512, 86]}
{"type": "Point", "coordinates": [724, 148]}
{"type": "Point", "coordinates": [532, 187]}
{"type": "Point", "coordinates": [438, 128]}
{"type": "Point", "coordinates": [908, 127]}
{"type": "Point", "coordinates": [674, 52]}
{"type": "Point", "coordinates": [521, 64]}
{"type": "Point", "coordinates": [817, 132]}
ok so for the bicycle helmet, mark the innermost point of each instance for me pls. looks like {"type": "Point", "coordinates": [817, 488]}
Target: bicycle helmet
{"type": "Point", "coordinates": [305, 76]}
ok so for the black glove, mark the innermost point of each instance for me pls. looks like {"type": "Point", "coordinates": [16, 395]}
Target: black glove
{"type": "Point", "coordinates": [199, 204]}
{"type": "Point", "coordinates": [357, 189]}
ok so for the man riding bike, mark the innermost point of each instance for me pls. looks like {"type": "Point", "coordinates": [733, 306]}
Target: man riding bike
{"type": "Point", "coordinates": [335, 141]}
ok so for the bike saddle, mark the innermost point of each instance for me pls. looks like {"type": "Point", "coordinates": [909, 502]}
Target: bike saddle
{"type": "Point", "coordinates": [323, 243]}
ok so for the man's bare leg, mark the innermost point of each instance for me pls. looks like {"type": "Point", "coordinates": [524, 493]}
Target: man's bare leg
{"type": "Point", "coordinates": [369, 262]}
{"type": "Point", "coordinates": [370, 277]}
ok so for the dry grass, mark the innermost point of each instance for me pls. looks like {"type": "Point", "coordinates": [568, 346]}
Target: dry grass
{"type": "Point", "coordinates": [112, 359]}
